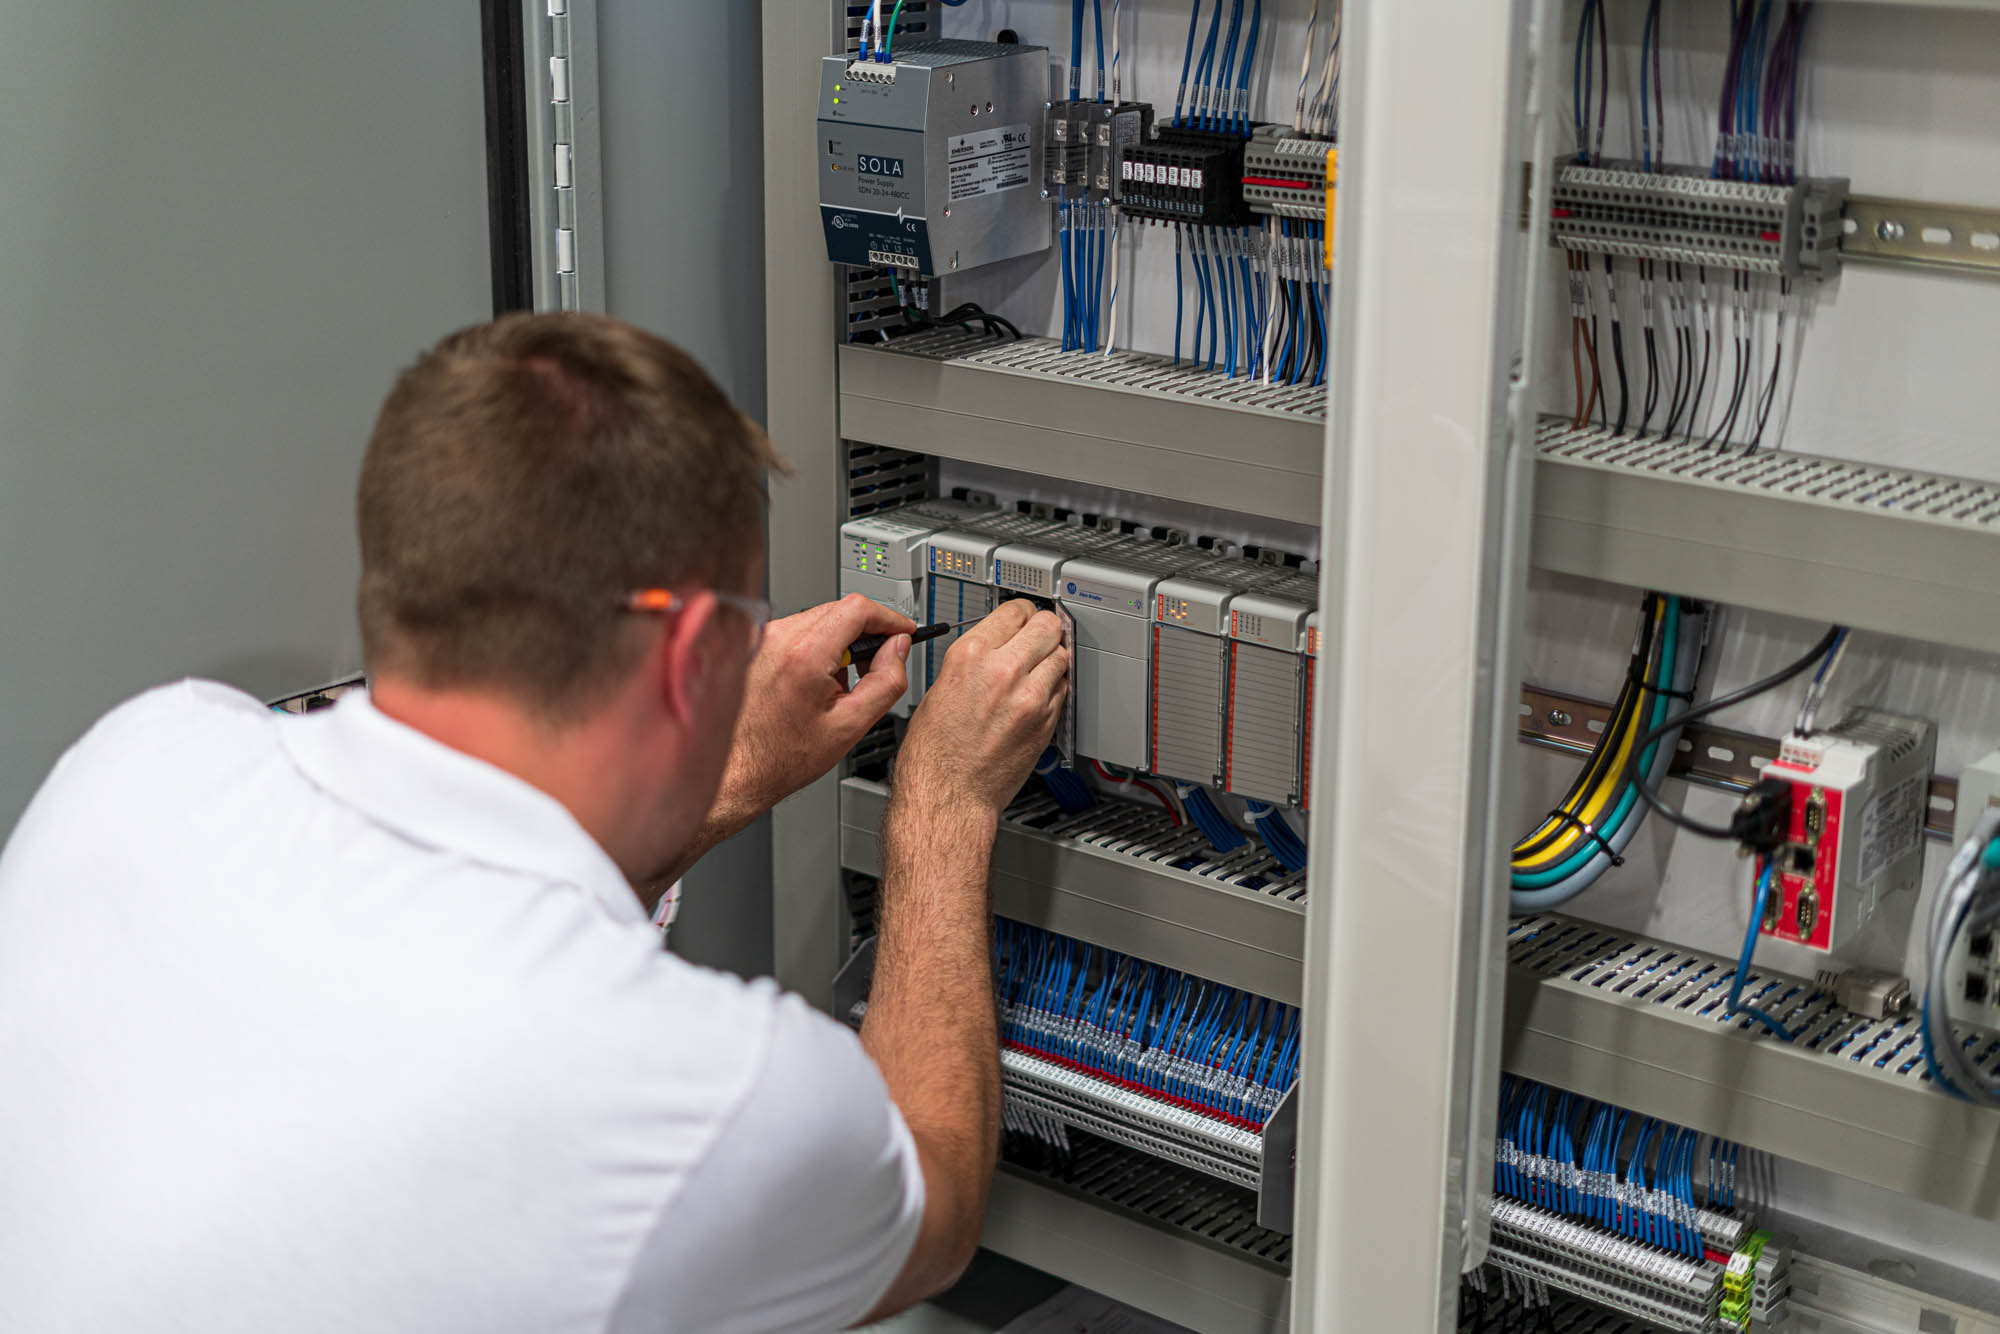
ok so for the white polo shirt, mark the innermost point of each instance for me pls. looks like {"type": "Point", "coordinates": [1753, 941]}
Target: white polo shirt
{"type": "Point", "coordinates": [313, 1023]}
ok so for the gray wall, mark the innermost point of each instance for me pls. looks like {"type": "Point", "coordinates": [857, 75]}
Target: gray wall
{"type": "Point", "coordinates": [681, 140]}
{"type": "Point", "coordinates": [223, 227]}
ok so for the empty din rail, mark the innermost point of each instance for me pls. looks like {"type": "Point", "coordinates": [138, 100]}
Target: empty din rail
{"type": "Point", "coordinates": [1166, 1194]}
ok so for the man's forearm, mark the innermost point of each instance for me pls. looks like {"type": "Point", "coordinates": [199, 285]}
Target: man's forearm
{"type": "Point", "coordinates": [930, 1024]}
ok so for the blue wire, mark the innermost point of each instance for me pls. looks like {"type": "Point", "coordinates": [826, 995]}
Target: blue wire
{"type": "Point", "coordinates": [1177, 295]}
{"type": "Point", "coordinates": [1201, 308]}
{"type": "Point", "coordinates": [1202, 68]}
{"type": "Point", "coordinates": [1228, 280]}
{"type": "Point", "coordinates": [1187, 59]}
{"type": "Point", "coordinates": [1097, 285]}
{"type": "Point", "coordinates": [1243, 79]}
{"type": "Point", "coordinates": [1645, 108]}
{"type": "Point", "coordinates": [1226, 71]}
{"type": "Point", "coordinates": [1736, 1005]}
{"type": "Point", "coordinates": [1075, 49]}
{"type": "Point", "coordinates": [1097, 18]}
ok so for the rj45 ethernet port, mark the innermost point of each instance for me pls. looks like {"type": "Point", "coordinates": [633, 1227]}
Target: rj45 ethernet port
{"type": "Point", "coordinates": [1976, 989]}
{"type": "Point", "coordinates": [1981, 945]}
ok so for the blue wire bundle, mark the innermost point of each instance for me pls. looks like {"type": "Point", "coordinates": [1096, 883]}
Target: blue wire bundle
{"type": "Point", "coordinates": [1286, 847]}
{"type": "Point", "coordinates": [1633, 1176]}
{"type": "Point", "coordinates": [1224, 1052]}
{"type": "Point", "coordinates": [1064, 784]}
{"type": "Point", "coordinates": [1215, 827]}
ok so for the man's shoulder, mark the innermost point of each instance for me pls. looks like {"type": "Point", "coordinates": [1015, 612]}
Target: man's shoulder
{"type": "Point", "coordinates": [178, 708]}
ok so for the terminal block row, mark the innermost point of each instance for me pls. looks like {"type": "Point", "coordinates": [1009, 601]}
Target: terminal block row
{"type": "Point", "coordinates": [1187, 176]}
{"type": "Point", "coordinates": [1288, 174]}
{"type": "Point", "coordinates": [1684, 215]}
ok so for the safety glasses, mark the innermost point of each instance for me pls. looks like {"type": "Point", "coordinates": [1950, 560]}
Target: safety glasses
{"type": "Point", "coordinates": [755, 610]}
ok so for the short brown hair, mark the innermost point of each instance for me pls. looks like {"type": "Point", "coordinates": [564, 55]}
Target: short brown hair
{"type": "Point", "coordinates": [522, 477]}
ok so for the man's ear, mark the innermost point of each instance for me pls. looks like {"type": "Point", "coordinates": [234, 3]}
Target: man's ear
{"type": "Point", "coordinates": [685, 656]}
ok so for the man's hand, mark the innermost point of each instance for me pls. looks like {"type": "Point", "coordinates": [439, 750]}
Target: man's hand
{"type": "Point", "coordinates": [798, 715]}
{"type": "Point", "coordinates": [989, 714]}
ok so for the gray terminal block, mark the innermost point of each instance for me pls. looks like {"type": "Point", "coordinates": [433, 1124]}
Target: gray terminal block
{"type": "Point", "coordinates": [931, 163]}
{"type": "Point", "coordinates": [1110, 598]}
{"type": "Point", "coordinates": [886, 557]}
{"type": "Point", "coordinates": [1266, 732]}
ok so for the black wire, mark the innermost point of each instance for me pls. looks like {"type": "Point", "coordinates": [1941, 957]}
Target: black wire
{"type": "Point", "coordinates": [1770, 390]}
{"type": "Point", "coordinates": [1617, 344]}
{"type": "Point", "coordinates": [1652, 381]}
{"type": "Point", "coordinates": [1652, 350]}
{"type": "Point", "coordinates": [1597, 393]}
{"type": "Point", "coordinates": [1742, 373]}
{"type": "Point", "coordinates": [1716, 705]}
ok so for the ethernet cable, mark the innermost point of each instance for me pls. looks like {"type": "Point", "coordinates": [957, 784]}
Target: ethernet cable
{"type": "Point", "coordinates": [1767, 871]}
{"type": "Point", "coordinates": [1648, 789]}
{"type": "Point", "coordinates": [1967, 900]}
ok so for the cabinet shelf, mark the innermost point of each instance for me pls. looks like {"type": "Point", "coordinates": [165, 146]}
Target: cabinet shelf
{"type": "Point", "coordinates": [1147, 1234]}
{"type": "Point", "coordinates": [1114, 876]}
{"type": "Point", "coordinates": [1883, 549]}
{"type": "Point", "coordinates": [1130, 421]}
{"type": "Point", "coordinates": [1642, 1024]}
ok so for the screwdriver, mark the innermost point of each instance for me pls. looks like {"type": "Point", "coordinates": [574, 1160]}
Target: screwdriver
{"type": "Point", "coordinates": [866, 647]}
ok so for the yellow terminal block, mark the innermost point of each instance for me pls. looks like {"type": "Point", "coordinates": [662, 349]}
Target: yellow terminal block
{"type": "Point", "coordinates": [1332, 160]}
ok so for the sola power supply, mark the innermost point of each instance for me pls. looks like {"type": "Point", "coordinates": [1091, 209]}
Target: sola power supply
{"type": "Point", "coordinates": [931, 162]}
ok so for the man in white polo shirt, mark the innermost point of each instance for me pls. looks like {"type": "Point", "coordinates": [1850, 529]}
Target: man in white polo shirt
{"type": "Point", "coordinates": [355, 1022]}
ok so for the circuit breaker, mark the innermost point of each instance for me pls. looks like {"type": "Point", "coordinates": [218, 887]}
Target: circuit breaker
{"type": "Point", "coordinates": [931, 162]}
{"type": "Point", "coordinates": [1859, 794]}
{"type": "Point", "coordinates": [1267, 690]}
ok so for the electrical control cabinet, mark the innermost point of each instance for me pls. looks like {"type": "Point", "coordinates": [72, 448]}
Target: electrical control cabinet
{"type": "Point", "coordinates": [1232, 675]}
{"type": "Point", "coordinates": [1859, 794]}
{"type": "Point", "coordinates": [931, 163]}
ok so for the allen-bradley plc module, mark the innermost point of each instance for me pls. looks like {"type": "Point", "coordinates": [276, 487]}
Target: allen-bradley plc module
{"type": "Point", "coordinates": [931, 162]}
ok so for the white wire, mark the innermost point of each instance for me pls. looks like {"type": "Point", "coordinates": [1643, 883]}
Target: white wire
{"type": "Point", "coordinates": [1271, 303]}
{"type": "Point", "coordinates": [1321, 108]}
{"type": "Point", "coordinates": [1117, 96]}
{"type": "Point", "coordinates": [1305, 69]}
{"type": "Point", "coordinates": [1111, 329]}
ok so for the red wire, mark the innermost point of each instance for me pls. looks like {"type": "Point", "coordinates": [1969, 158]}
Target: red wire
{"type": "Point", "coordinates": [1141, 783]}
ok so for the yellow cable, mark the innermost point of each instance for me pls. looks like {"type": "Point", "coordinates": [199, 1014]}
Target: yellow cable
{"type": "Point", "coordinates": [1593, 800]}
